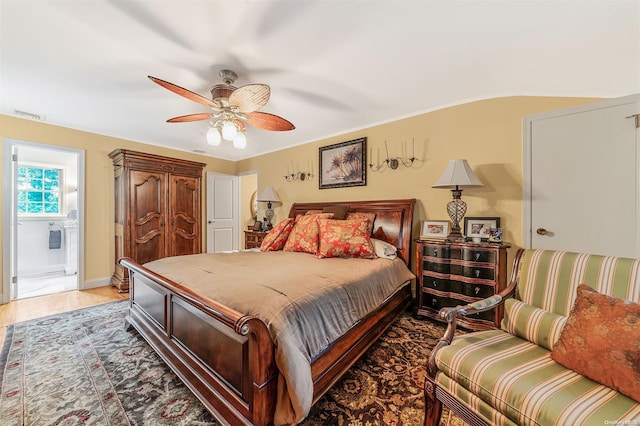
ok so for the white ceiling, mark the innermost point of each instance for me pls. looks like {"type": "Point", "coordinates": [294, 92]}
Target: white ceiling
{"type": "Point", "coordinates": [333, 66]}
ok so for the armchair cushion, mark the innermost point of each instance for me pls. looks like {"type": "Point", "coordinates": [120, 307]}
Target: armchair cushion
{"type": "Point", "coordinates": [520, 380]}
{"type": "Point", "coordinates": [602, 341]}
{"type": "Point", "coordinates": [531, 323]}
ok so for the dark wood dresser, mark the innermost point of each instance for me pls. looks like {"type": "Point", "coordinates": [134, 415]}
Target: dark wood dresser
{"type": "Point", "coordinates": [253, 239]}
{"type": "Point", "coordinates": [157, 208]}
{"type": "Point", "coordinates": [458, 273]}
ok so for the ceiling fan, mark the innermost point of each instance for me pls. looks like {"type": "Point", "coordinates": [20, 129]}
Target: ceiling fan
{"type": "Point", "coordinates": [232, 109]}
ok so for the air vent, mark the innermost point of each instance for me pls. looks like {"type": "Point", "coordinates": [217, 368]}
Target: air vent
{"type": "Point", "coordinates": [28, 115]}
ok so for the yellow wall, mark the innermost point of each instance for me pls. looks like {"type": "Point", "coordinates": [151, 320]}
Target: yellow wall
{"type": "Point", "coordinates": [487, 133]}
{"type": "Point", "coordinates": [248, 187]}
{"type": "Point", "coordinates": [99, 209]}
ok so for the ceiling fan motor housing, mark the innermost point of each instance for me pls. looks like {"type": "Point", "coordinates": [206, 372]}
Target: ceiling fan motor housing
{"type": "Point", "coordinates": [219, 91]}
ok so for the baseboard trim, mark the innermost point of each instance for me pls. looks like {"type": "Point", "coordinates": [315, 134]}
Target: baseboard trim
{"type": "Point", "coordinates": [95, 283]}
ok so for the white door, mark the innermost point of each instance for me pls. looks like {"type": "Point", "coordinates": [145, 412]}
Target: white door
{"type": "Point", "coordinates": [223, 206]}
{"type": "Point", "coordinates": [581, 179]}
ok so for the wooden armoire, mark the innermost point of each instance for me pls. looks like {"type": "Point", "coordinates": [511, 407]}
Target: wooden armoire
{"type": "Point", "coordinates": [157, 208]}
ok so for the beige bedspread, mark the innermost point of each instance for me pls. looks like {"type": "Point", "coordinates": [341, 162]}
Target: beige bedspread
{"type": "Point", "coordinates": [305, 302]}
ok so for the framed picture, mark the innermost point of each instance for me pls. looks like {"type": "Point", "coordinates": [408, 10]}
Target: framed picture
{"type": "Point", "coordinates": [480, 227]}
{"type": "Point", "coordinates": [434, 229]}
{"type": "Point", "coordinates": [343, 164]}
{"type": "Point", "coordinates": [257, 225]}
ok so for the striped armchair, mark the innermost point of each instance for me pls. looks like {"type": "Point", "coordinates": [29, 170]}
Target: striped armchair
{"type": "Point", "coordinates": [506, 376]}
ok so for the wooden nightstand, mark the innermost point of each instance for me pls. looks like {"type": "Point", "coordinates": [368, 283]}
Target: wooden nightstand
{"type": "Point", "coordinates": [253, 239]}
{"type": "Point", "coordinates": [451, 274]}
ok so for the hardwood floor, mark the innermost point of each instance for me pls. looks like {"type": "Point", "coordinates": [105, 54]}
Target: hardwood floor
{"type": "Point", "coordinates": [35, 307]}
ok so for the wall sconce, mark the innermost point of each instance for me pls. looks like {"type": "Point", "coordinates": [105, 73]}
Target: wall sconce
{"type": "Point", "coordinates": [393, 162]}
{"type": "Point", "coordinates": [301, 176]}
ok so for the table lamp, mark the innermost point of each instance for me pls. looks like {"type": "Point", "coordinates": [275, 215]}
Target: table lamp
{"type": "Point", "coordinates": [456, 176]}
{"type": "Point", "coordinates": [268, 195]}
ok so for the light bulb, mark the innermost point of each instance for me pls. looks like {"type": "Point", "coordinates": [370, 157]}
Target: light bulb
{"type": "Point", "coordinates": [240, 141]}
{"type": "Point", "coordinates": [229, 130]}
{"type": "Point", "coordinates": [213, 136]}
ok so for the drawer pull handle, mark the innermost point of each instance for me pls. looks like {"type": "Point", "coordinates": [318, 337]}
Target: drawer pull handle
{"type": "Point", "coordinates": [435, 252]}
{"type": "Point", "coordinates": [435, 284]}
{"type": "Point", "coordinates": [434, 302]}
{"type": "Point", "coordinates": [477, 255]}
{"type": "Point", "coordinates": [477, 273]}
{"type": "Point", "coordinates": [477, 290]}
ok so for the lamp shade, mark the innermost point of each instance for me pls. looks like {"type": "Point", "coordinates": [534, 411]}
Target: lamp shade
{"type": "Point", "coordinates": [457, 174]}
{"type": "Point", "coordinates": [268, 194]}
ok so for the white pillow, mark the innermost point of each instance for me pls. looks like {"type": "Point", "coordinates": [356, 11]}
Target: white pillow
{"type": "Point", "coordinates": [383, 249]}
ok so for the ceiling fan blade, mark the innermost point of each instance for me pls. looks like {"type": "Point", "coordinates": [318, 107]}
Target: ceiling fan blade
{"type": "Point", "coordinates": [190, 117]}
{"type": "Point", "coordinates": [184, 92]}
{"type": "Point", "coordinates": [266, 121]}
{"type": "Point", "coordinates": [250, 97]}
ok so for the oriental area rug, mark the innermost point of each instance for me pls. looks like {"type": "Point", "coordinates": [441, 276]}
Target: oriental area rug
{"type": "Point", "coordinates": [83, 368]}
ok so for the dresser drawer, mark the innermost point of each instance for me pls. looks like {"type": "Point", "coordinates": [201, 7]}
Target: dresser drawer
{"type": "Point", "coordinates": [441, 252]}
{"type": "Point", "coordinates": [480, 291]}
{"type": "Point", "coordinates": [439, 267]}
{"type": "Point", "coordinates": [435, 302]}
{"type": "Point", "coordinates": [253, 239]}
{"type": "Point", "coordinates": [434, 283]}
{"type": "Point", "coordinates": [475, 272]}
{"type": "Point", "coordinates": [477, 255]}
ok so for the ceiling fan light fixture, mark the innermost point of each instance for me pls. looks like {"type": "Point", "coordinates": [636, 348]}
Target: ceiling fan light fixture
{"type": "Point", "coordinates": [240, 141]}
{"type": "Point", "coordinates": [232, 109]}
{"type": "Point", "coordinates": [213, 136]}
{"type": "Point", "coordinates": [229, 130]}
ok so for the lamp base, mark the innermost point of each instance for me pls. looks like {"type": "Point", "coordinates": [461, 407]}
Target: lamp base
{"type": "Point", "coordinates": [456, 209]}
{"type": "Point", "coordinates": [268, 217]}
{"type": "Point", "coordinates": [455, 235]}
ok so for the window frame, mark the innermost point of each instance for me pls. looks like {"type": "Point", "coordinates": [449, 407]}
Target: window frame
{"type": "Point", "coordinates": [61, 193]}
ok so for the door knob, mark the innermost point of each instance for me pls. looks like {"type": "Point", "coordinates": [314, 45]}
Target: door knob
{"type": "Point", "coordinates": [541, 231]}
{"type": "Point", "coordinates": [210, 221]}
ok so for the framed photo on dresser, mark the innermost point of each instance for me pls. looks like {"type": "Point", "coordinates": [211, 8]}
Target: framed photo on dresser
{"type": "Point", "coordinates": [434, 229]}
{"type": "Point", "coordinates": [480, 227]}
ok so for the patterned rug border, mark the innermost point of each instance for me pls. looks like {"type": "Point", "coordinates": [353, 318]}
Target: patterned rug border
{"type": "Point", "coordinates": [8, 339]}
{"type": "Point", "coordinates": [5, 350]}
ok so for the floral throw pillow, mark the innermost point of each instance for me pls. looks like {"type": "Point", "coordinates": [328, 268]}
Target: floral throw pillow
{"type": "Point", "coordinates": [601, 341]}
{"type": "Point", "coordinates": [304, 235]}
{"type": "Point", "coordinates": [277, 237]}
{"type": "Point", "coordinates": [345, 238]}
{"type": "Point", "coordinates": [370, 217]}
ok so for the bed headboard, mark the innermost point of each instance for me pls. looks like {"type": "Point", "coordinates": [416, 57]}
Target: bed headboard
{"type": "Point", "coordinates": [393, 222]}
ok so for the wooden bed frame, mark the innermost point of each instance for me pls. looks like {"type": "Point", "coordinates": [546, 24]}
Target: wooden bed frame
{"type": "Point", "coordinates": [227, 358]}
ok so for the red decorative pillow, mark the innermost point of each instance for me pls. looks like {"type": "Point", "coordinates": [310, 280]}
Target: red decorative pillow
{"type": "Point", "coordinates": [277, 237]}
{"type": "Point", "coordinates": [363, 216]}
{"type": "Point", "coordinates": [345, 238]}
{"type": "Point", "coordinates": [304, 235]}
{"type": "Point", "coordinates": [601, 340]}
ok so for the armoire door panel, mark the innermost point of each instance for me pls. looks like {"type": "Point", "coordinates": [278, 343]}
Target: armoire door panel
{"type": "Point", "coordinates": [148, 207]}
{"type": "Point", "coordinates": [184, 213]}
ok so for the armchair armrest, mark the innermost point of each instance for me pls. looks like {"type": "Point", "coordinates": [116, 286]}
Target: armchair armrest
{"type": "Point", "coordinates": [472, 308]}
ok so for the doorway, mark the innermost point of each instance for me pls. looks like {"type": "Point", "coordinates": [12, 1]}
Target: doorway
{"type": "Point", "coordinates": [42, 215]}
